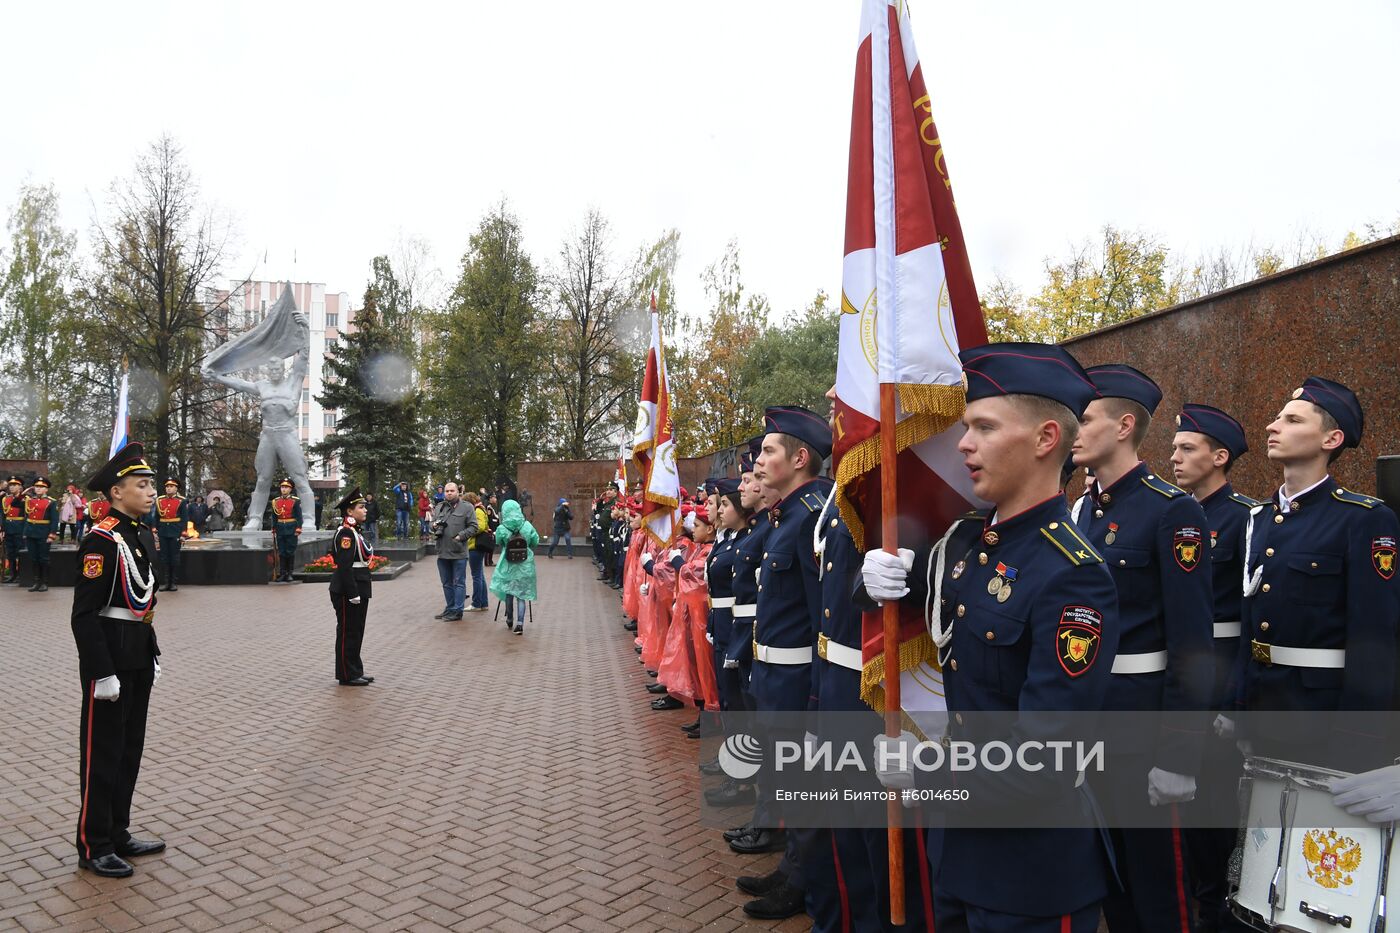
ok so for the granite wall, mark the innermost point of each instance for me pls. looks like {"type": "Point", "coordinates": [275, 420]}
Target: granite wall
{"type": "Point", "coordinates": [1246, 349]}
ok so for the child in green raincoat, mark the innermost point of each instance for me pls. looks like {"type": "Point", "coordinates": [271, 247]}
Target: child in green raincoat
{"type": "Point", "coordinates": [514, 580]}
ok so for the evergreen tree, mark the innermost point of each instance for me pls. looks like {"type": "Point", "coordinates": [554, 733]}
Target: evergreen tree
{"type": "Point", "coordinates": [371, 384]}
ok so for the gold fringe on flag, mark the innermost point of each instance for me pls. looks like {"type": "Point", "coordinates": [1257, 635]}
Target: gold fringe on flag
{"type": "Point", "coordinates": [930, 410]}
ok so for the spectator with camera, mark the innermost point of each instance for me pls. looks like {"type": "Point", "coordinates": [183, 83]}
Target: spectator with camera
{"type": "Point", "coordinates": [455, 527]}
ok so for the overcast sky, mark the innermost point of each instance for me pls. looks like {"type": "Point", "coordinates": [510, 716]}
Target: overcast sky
{"type": "Point", "coordinates": [330, 130]}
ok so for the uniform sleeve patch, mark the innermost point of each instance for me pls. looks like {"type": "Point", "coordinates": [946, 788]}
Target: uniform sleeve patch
{"type": "Point", "coordinates": [92, 565]}
{"type": "Point", "coordinates": [1383, 556]}
{"type": "Point", "coordinates": [1077, 639]}
{"type": "Point", "coordinates": [1186, 547]}
{"type": "Point", "coordinates": [344, 541]}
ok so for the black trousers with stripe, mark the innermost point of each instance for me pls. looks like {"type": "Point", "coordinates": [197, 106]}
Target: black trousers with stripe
{"type": "Point", "coordinates": [112, 734]}
{"type": "Point", "coordinates": [349, 636]}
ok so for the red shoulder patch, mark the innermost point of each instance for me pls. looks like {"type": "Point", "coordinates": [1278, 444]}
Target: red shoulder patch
{"type": "Point", "coordinates": [108, 523]}
{"type": "Point", "coordinates": [1383, 556]}
{"type": "Point", "coordinates": [1186, 547]}
{"type": "Point", "coordinates": [1077, 638]}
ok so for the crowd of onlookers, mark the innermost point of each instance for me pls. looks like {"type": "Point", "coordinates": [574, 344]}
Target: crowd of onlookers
{"type": "Point", "coordinates": [467, 529]}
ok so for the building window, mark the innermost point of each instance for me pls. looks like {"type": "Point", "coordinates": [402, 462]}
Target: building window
{"type": "Point", "coordinates": [332, 319]}
{"type": "Point", "coordinates": [305, 421]}
{"type": "Point", "coordinates": [306, 396]}
{"type": "Point", "coordinates": [328, 419]}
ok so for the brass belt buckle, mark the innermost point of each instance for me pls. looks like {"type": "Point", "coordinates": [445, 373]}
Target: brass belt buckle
{"type": "Point", "coordinates": [1260, 651]}
{"type": "Point", "coordinates": [821, 646]}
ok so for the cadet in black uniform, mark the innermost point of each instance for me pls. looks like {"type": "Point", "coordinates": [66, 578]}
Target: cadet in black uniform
{"type": "Point", "coordinates": [1207, 445]}
{"type": "Point", "coordinates": [1321, 607]}
{"type": "Point", "coordinates": [1026, 620]}
{"type": "Point", "coordinates": [1153, 537]}
{"type": "Point", "coordinates": [118, 661]}
{"type": "Point", "coordinates": [286, 512]}
{"type": "Point", "coordinates": [351, 588]}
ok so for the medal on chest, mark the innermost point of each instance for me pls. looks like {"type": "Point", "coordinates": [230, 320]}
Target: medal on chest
{"type": "Point", "coordinates": [1000, 585]}
{"type": "Point", "coordinates": [1112, 533]}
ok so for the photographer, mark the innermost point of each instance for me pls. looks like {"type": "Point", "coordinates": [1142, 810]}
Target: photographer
{"type": "Point", "coordinates": [454, 525]}
{"type": "Point", "coordinates": [563, 519]}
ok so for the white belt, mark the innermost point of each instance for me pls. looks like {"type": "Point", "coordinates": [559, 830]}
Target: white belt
{"type": "Point", "coordinates": [836, 653]}
{"type": "Point", "coordinates": [770, 655]}
{"type": "Point", "coordinates": [1149, 662]}
{"type": "Point", "coordinates": [1298, 657]}
{"type": "Point", "coordinates": [117, 612]}
{"type": "Point", "coordinates": [359, 563]}
{"type": "Point", "coordinates": [745, 610]}
{"type": "Point", "coordinates": [1226, 629]}
{"type": "Point", "coordinates": [721, 602]}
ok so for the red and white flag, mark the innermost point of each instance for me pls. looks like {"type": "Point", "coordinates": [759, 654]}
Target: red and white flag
{"type": "Point", "coordinates": [908, 304]}
{"type": "Point", "coordinates": [653, 450]}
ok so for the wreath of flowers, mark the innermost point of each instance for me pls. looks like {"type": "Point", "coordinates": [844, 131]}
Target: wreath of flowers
{"type": "Point", "coordinates": [326, 564]}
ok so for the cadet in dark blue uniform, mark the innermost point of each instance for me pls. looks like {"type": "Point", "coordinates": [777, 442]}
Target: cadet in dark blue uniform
{"type": "Point", "coordinates": [1153, 537]}
{"type": "Point", "coordinates": [1026, 620]}
{"type": "Point", "coordinates": [172, 512]}
{"type": "Point", "coordinates": [1321, 606]}
{"type": "Point", "coordinates": [861, 854]}
{"type": "Point", "coordinates": [40, 530]}
{"type": "Point", "coordinates": [286, 514]}
{"type": "Point", "coordinates": [785, 628]}
{"type": "Point", "coordinates": [759, 834]}
{"type": "Point", "coordinates": [118, 661]}
{"type": "Point", "coordinates": [1207, 445]}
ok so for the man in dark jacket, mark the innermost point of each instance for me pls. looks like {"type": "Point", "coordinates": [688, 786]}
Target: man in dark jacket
{"type": "Point", "coordinates": [563, 521]}
{"type": "Point", "coordinates": [403, 507]}
{"type": "Point", "coordinates": [454, 524]}
{"type": "Point", "coordinates": [371, 523]}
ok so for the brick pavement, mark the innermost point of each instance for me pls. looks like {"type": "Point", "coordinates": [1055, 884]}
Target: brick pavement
{"type": "Point", "coordinates": [485, 782]}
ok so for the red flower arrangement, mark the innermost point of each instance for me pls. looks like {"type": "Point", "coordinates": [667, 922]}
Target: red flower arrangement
{"type": "Point", "coordinates": [326, 564]}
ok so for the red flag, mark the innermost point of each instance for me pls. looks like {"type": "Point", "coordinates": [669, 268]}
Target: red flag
{"type": "Point", "coordinates": [904, 244]}
{"type": "Point", "coordinates": [653, 448]}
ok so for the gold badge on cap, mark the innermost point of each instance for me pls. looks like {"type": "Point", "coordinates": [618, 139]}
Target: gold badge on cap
{"type": "Point", "coordinates": [1298, 392]}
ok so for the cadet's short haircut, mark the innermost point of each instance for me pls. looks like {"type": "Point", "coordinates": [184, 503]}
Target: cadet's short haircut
{"type": "Point", "coordinates": [1142, 419]}
{"type": "Point", "coordinates": [1215, 445]}
{"type": "Point", "coordinates": [791, 445]}
{"type": "Point", "coordinates": [1039, 409]}
{"type": "Point", "coordinates": [1329, 424]}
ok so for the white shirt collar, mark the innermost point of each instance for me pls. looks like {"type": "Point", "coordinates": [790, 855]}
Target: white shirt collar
{"type": "Point", "coordinates": [1285, 501]}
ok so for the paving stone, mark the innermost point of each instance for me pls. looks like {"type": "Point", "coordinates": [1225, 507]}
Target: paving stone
{"type": "Point", "coordinates": [483, 782]}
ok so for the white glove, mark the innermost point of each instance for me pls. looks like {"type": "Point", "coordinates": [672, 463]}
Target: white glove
{"type": "Point", "coordinates": [642, 589]}
{"type": "Point", "coordinates": [885, 574]}
{"type": "Point", "coordinates": [675, 552]}
{"type": "Point", "coordinates": [894, 759]}
{"type": "Point", "coordinates": [1224, 726]}
{"type": "Point", "coordinates": [156, 679]}
{"type": "Point", "coordinates": [354, 600]}
{"type": "Point", "coordinates": [709, 638]}
{"type": "Point", "coordinates": [1165, 787]}
{"type": "Point", "coordinates": [108, 688]}
{"type": "Point", "coordinates": [1372, 794]}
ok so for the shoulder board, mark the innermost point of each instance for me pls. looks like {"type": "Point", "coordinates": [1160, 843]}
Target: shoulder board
{"type": "Point", "coordinates": [107, 524]}
{"type": "Point", "coordinates": [1158, 485]}
{"type": "Point", "coordinates": [1243, 500]}
{"type": "Point", "coordinates": [1355, 498]}
{"type": "Point", "coordinates": [813, 502]}
{"type": "Point", "coordinates": [1069, 542]}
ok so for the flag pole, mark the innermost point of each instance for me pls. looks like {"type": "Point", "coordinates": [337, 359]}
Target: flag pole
{"type": "Point", "coordinates": [889, 538]}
